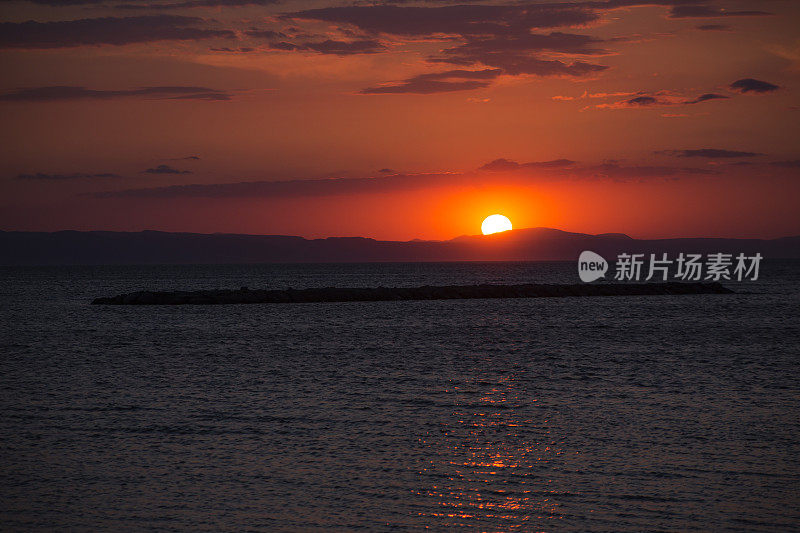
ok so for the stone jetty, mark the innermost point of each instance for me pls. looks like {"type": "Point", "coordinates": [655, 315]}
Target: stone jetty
{"type": "Point", "coordinates": [453, 292]}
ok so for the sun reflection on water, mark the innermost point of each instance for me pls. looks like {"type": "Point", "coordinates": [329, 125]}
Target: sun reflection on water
{"type": "Point", "coordinates": [490, 458]}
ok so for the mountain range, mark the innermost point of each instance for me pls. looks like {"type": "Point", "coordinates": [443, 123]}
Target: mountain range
{"type": "Point", "coordinates": [530, 244]}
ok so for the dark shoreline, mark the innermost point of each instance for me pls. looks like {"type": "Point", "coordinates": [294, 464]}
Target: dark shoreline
{"type": "Point", "coordinates": [334, 294]}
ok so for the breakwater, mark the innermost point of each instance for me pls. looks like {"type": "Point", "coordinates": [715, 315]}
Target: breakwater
{"type": "Point", "coordinates": [374, 294]}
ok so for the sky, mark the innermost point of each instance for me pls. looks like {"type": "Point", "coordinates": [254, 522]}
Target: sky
{"type": "Point", "coordinates": [401, 119]}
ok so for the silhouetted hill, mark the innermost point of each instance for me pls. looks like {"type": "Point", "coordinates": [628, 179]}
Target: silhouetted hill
{"type": "Point", "coordinates": [531, 244]}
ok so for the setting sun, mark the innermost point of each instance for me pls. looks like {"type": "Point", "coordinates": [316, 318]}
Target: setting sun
{"type": "Point", "coordinates": [495, 224]}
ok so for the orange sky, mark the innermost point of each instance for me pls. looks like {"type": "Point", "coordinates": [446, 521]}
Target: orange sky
{"type": "Point", "coordinates": [652, 118]}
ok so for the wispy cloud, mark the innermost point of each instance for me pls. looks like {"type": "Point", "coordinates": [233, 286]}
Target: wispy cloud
{"type": "Point", "coordinates": [711, 153]}
{"type": "Point", "coordinates": [714, 27]}
{"type": "Point", "coordinates": [794, 163]}
{"type": "Point", "coordinates": [165, 169]}
{"type": "Point", "coordinates": [187, 158]}
{"type": "Point", "coordinates": [439, 82]}
{"type": "Point", "coordinates": [504, 165]}
{"type": "Point", "coordinates": [188, 4]}
{"type": "Point", "coordinates": [67, 92]}
{"type": "Point", "coordinates": [451, 20]}
{"type": "Point", "coordinates": [65, 176]}
{"type": "Point", "coordinates": [523, 174]}
{"type": "Point", "coordinates": [106, 31]}
{"type": "Point", "coordinates": [706, 11]}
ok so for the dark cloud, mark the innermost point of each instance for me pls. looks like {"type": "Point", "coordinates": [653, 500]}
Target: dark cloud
{"type": "Point", "coordinates": [106, 30]}
{"type": "Point", "coordinates": [714, 27]}
{"type": "Point", "coordinates": [505, 165]}
{"type": "Point", "coordinates": [493, 36]}
{"type": "Point", "coordinates": [284, 45]}
{"type": "Point", "coordinates": [294, 188]}
{"type": "Point", "coordinates": [750, 85]}
{"type": "Point", "coordinates": [712, 153]}
{"type": "Point", "coordinates": [568, 43]}
{"type": "Point", "coordinates": [439, 82]}
{"type": "Point", "coordinates": [451, 20]}
{"type": "Point", "coordinates": [165, 169]}
{"type": "Point", "coordinates": [158, 5]}
{"type": "Point", "coordinates": [187, 158]}
{"type": "Point", "coordinates": [67, 92]}
{"type": "Point", "coordinates": [615, 171]}
{"type": "Point", "coordinates": [794, 163]}
{"type": "Point", "coordinates": [516, 54]}
{"type": "Point", "coordinates": [661, 99]}
{"type": "Point", "coordinates": [328, 46]}
{"type": "Point", "coordinates": [516, 64]}
{"type": "Point", "coordinates": [705, 11]}
{"type": "Point", "coordinates": [344, 48]}
{"type": "Point", "coordinates": [614, 4]}
{"type": "Point", "coordinates": [706, 97]}
{"type": "Point", "coordinates": [65, 3]}
{"type": "Point", "coordinates": [240, 50]}
{"type": "Point", "coordinates": [61, 177]}
{"type": "Point", "coordinates": [196, 3]}
{"type": "Point", "coordinates": [557, 169]}
{"type": "Point", "coordinates": [642, 101]}
{"type": "Point", "coordinates": [265, 34]}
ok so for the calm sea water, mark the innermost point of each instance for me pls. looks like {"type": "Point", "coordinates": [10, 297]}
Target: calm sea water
{"type": "Point", "coordinates": [575, 414]}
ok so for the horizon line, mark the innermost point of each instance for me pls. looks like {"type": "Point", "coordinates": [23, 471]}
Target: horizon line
{"type": "Point", "coordinates": [611, 234]}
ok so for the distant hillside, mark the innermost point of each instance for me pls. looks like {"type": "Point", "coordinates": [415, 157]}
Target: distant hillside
{"type": "Point", "coordinates": [532, 244]}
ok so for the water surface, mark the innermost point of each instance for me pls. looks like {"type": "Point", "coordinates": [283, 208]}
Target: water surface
{"type": "Point", "coordinates": [574, 414]}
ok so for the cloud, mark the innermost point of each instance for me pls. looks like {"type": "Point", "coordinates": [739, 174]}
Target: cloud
{"type": "Point", "coordinates": [62, 177]}
{"type": "Point", "coordinates": [67, 92]}
{"type": "Point", "coordinates": [587, 94]}
{"type": "Point", "coordinates": [750, 85]}
{"type": "Point", "coordinates": [451, 20]}
{"type": "Point", "coordinates": [187, 158]}
{"type": "Point", "coordinates": [661, 99]}
{"type": "Point", "coordinates": [65, 3]}
{"type": "Point", "coordinates": [714, 27]}
{"type": "Point", "coordinates": [615, 171]}
{"type": "Point", "coordinates": [158, 5]}
{"type": "Point", "coordinates": [265, 34]}
{"type": "Point", "coordinates": [284, 45]}
{"type": "Point", "coordinates": [328, 46]}
{"type": "Point", "coordinates": [439, 82]}
{"type": "Point", "coordinates": [706, 97]}
{"type": "Point", "coordinates": [106, 30]}
{"type": "Point", "coordinates": [491, 36]}
{"type": "Point", "coordinates": [520, 64]}
{"type": "Point", "coordinates": [516, 54]}
{"type": "Point", "coordinates": [294, 188]}
{"type": "Point", "coordinates": [795, 163]}
{"type": "Point", "coordinates": [568, 43]}
{"type": "Point", "coordinates": [165, 169]}
{"type": "Point", "coordinates": [713, 153]}
{"type": "Point", "coordinates": [343, 48]}
{"type": "Point", "coordinates": [188, 4]}
{"type": "Point", "coordinates": [240, 50]}
{"type": "Point", "coordinates": [528, 174]}
{"type": "Point", "coordinates": [642, 101]}
{"type": "Point", "coordinates": [503, 165]}
{"type": "Point", "coordinates": [704, 11]}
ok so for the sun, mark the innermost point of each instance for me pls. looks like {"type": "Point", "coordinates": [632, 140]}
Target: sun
{"type": "Point", "coordinates": [495, 224]}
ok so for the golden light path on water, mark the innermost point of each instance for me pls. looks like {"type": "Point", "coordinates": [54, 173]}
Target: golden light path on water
{"type": "Point", "coordinates": [490, 461]}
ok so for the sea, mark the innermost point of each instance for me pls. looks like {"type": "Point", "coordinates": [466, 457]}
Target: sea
{"type": "Point", "coordinates": [638, 413]}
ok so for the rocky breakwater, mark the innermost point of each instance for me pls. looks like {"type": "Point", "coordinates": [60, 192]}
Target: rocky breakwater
{"type": "Point", "coordinates": [336, 294]}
